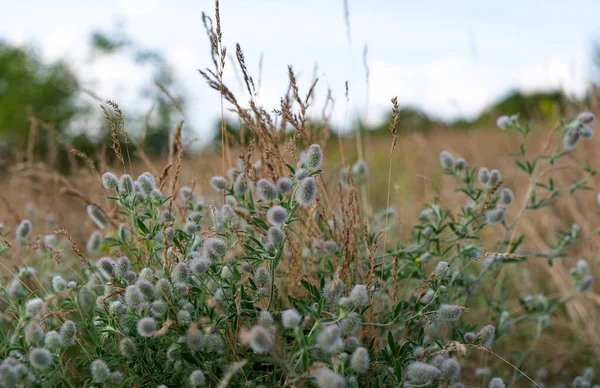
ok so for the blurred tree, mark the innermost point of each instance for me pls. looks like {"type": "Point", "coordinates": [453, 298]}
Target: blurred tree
{"type": "Point", "coordinates": [49, 91]}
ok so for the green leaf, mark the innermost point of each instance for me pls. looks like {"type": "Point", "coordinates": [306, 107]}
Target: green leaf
{"type": "Point", "coordinates": [261, 223]}
{"type": "Point", "coordinates": [391, 343]}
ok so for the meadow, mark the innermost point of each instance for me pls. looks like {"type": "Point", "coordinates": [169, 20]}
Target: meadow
{"type": "Point", "coordinates": [445, 258]}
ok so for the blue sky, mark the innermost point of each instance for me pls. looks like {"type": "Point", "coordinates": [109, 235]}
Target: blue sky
{"type": "Point", "coordinates": [451, 58]}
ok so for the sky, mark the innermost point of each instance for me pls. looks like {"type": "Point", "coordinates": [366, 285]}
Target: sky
{"type": "Point", "coordinates": [450, 58]}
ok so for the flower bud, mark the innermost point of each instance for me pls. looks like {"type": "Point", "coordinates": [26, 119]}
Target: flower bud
{"type": "Point", "coordinates": [277, 215]}
{"type": "Point", "coordinates": [421, 373]}
{"type": "Point", "coordinates": [127, 347]}
{"type": "Point", "coordinates": [284, 185]}
{"type": "Point", "coordinates": [497, 382]}
{"type": "Point", "coordinates": [260, 340]}
{"type": "Point", "coordinates": [313, 157]}
{"type": "Point", "coordinates": [290, 319]}
{"type": "Point", "coordinates": [180, 273]}
{"type": "Point", "coordinates": [52, 340]}
{"type": "Point", "coordinates": [197, 379]}
{"type": "Point", "coordinates": [94, 242]}
{"type": "Point", "coordinates": [326, 378]}
{"type": "Point", "coordinates": [97, 216]}
{"type": "Point", "coordinates": [218, 183]}
{"type": "Point", "coordinates": [215, 248]}
{"type": "Point", "coordinates": [40, 358]}
{"type": "Point", "coordinates": [146, 326]}
{"type": "Point", "coordinates": [359, 295]}
{"type": "Point", "coordinates": [58, 284]}
{"type": "Point", "coordinates": [330, 338]}
{"type": "Point", "coordinates": [110, 181]}
{"type": "Point", "coordinates": [100, 371]}
{"type": "Point", "coordinates": [360, 360]}
{"type": "Point", "coordinates": [447, 312]}
{"type": "Point", "coordinates": [451, 369]}
{"type": "Point", "coordinates": [306, 191]}
{"type": "Point", "coordinates": [68, 333]}
{"type": "Point", "coordinates": [446, 160]}
{"type": "Point", "coordinates": [266, 190]}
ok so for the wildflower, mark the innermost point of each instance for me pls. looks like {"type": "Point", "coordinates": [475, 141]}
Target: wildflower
{"type": "Point", "coordinates": [470, 337]}
{"type": "Point", "coordinates": [440, 269]}
{"type": "Point", "coordinates": [52, 340]}
{"type": "Point", "coordinates": [418, 353]}
{"type": "Point", "coordinates": [265, 319]}
{"type": "Point", "coordinates": [146, 326]}
{"type": "Point", "coordinates": [180, 273]}
{"type": "Point", "coordinates": [586, 132]}
{"type": "Point", "coordinates": [586, 118]}
{"type": "Point", "coordinates": [494, 216]}
{"type": "Point", "coordinates": [122, 267]}
{"type": "Point", "coordinates": [495, 177]}
{"type": "Point", "coordinates": [40, 358]}
{"type": "Point", "coordinates": [50, 241]}
{"type": "Point", "coordinates": [185, 193]}
{"type": "Point", "coordinates": [146, 182]}
{"type": "Point", "coordinates": [276, 235]}
{"type": "Point", "coordinates": [360, 171]}
{"type": "Point", "coordinates": [290, 319]}
{"type": "Point", "coordinates": [446, 160]}
{"type": "Point", "coordinates": [460, 164]}
{"type": "Point", "coordinates": [486, 335]}
{"type": "Point", "coordinates": [240, 185]}
{"type": "Point", "coordinates": [571, 139]}
{"type": "Point", "coordinates": [214, 343]}
{"type": "Point", "coordinates": [326, 378]}
{"type": "Point", "coordinates": [126, 185]}
{"type": "Point", "coordinates": [33, 307]}
{"type": "Point", "coordinates": [585, 284]}
{"type": "Point", "coordinates": [351, 344]}
{"type": "Point", "coordinates": [314, 157]}
{"type": "Point", "coordinates": [94, 242]}
{"type": "Point", "coordinates": [483, 175]}
{"type": "Point", "coordinates": [197, 379]}
{"type": "Point", "coordinates": [199, 266]}
{"type": "Point", "coordinates": [58, 284]}
{"type": "Point", "coordinates": [330, 338]}
{"type": "Point", "coordinates": [506, 196]}
{"type": "Point", "coordinates": [148, 290]}
{"type": "Point", "coordinates": [100, 371]}
{"type": "Point", "coordinates": [497, 382]}
{"type": "Point", "coordinates": [215, 248]}
{"type": "Point", "coordinates": [307, 191]}
{"type": "Point", "coordinates": [449, 312]}
{"type": "Point", "coordinates": [421, 373]}
{"type": "Point", "coordinates": [277, 215]}
{"type": "Point", "coordinates": [360, 360]}
{"type": "Point", "coordinates": [184, 317]}
{"type": "Point", "coordinates": [284, 185]}
{"type": "Point", "coordinates": [23, 230]}
{"type": "Point", "coordinates": [425, 299]}
{"type": "Point", "coordinates": [504, 122]}
{"type": "Point", "coordinates": [359, 295]}
{"type": "Point", "coordinates": [350, 324]}
{"type": "Point", "coordinates": [191, 227]}
{"type": "Point", "coordinates": [332, 291]}
{"type": "Point", "coordinates": [218, 183]}
{"type": "Point", "coordinates": [133, 297]}
{"type": "Point", "coordinates": [259, 339]}
{"type": "Point", "coordinates": [110, 181]}
{"type": "Point", "coordinates": [451, 369]}
{"type": "Point", "coordinates": [97, 216]}
{"type": "Point", "coordinates": [589, 374]}
{"type": "Point", "coordinates": [115, 377]}
{"type": "Point", "coordinates": [262, 276]}
{"type": "Point", "coordinates": [107, 267]}
{"type": "Point", "coordinates": [266, 190]}
{"type": "Point", "coordinates": [127, 347]}
{"type": "Point", "coordinates": [331, 247]}
{"type": "Point", "coordinates": [301, 173]}
{"type": "Point", "coordinates": [68, 333]}
{"type": "Point", "coordinates": [194, 338]}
